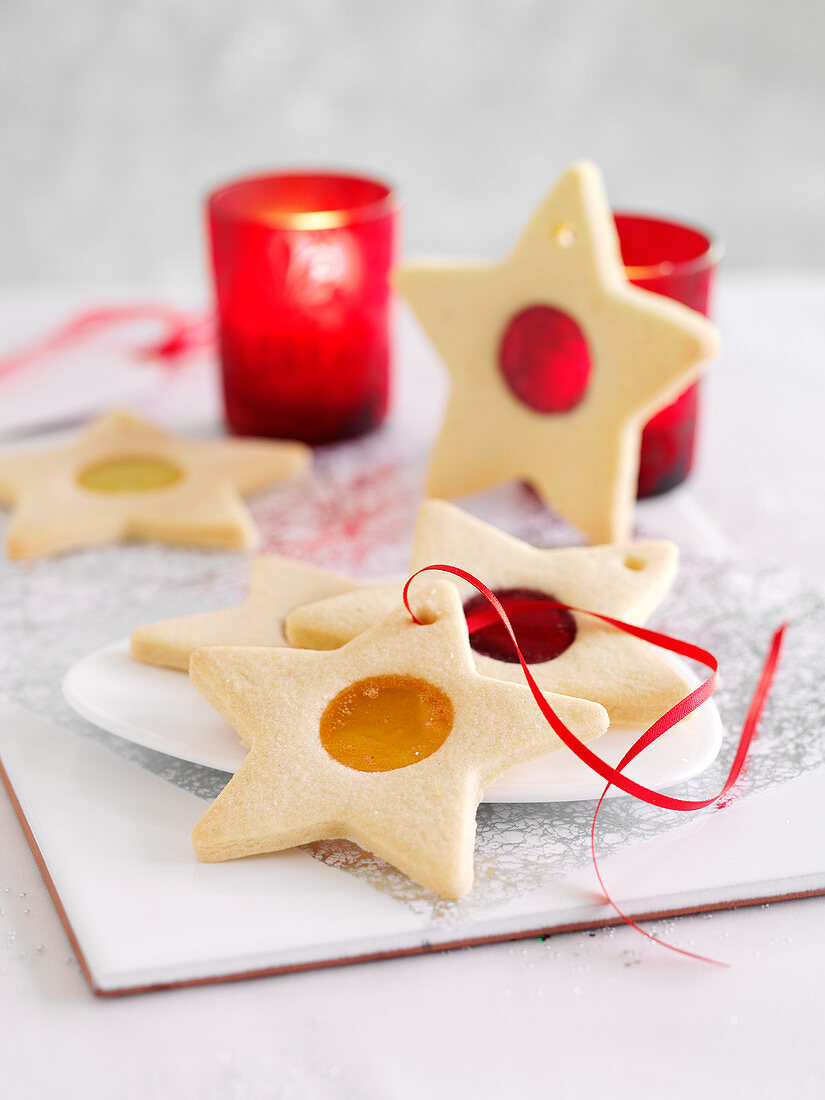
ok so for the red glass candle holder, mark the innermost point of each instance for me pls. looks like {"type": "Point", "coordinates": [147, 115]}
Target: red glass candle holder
{"type": "Point", "coordinates": [301, 265]}
{"type": "Point", "coordinates": [679, 262]}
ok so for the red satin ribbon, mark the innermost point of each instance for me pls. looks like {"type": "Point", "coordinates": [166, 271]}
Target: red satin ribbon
{"type": "Point", "coordinates": [183, 333]}
{"type": "Point", "coordinates": [682, 709]}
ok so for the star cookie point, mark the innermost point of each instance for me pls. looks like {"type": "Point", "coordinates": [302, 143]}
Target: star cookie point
{"type": "Point", "coordinates": [277, 586]}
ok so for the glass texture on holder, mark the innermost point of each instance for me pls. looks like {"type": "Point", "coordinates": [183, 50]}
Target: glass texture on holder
{"type": "Point", "coordinates": [679, 262]}
{"type": "Point", "coordinates": [301, 264]}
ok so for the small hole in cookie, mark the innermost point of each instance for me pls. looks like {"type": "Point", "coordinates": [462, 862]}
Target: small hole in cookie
{"type": "Point", "coordinates": [564, 234]}
{"type": "Point", "coordinates": [632, 562]}
{"type": "Point", "coordinates": [422, 616]}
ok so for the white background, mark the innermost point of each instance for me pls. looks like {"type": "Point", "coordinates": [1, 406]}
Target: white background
{"type": "Point", "coordinates": [115, 117]}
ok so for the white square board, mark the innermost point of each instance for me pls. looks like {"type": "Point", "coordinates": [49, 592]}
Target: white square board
{"type": "Point", "coordinates": [112, 841]}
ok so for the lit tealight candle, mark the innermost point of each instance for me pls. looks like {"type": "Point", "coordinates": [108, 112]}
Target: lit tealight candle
{"type": "Point", "coordinates": [301, 265]}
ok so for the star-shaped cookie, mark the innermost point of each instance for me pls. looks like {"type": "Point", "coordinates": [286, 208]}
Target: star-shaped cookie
{"type": "Point", "coordinates": [278, 585]}
{"type": "Point", "coordinates": [558, 312]}
{"type": "Point", "coordinates": [420, 731]}
{"type": "Point", "coordinates": [569, 653]}
{"type": "Point", "coordinates": [123, 478]}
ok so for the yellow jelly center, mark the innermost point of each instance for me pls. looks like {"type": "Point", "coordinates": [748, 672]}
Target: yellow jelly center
{"type": "Point", "coordinates": [135, 474]}
{"type": "Point", "coordinates": [386, 722]}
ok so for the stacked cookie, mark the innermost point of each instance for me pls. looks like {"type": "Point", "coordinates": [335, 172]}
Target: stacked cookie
{"type": "Point", "coordinates": [364, 723]}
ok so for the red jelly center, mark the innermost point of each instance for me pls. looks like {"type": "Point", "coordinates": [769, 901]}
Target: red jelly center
{"type": "Point", "coordinates": [543, 632]}
{"type": "Point", "coordinates": [545, 360]}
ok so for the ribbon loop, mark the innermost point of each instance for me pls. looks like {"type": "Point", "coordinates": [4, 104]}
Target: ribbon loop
{"type": "Point", "coordinates": [614, 777]}
{"type": "Point", "coordinates": [183, 332]}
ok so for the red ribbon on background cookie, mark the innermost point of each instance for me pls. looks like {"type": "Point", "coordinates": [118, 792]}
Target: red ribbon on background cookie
{"type": "Point", "coordinates": [183, 332]}
{"type": "Point", "coordinates": [614, 776]}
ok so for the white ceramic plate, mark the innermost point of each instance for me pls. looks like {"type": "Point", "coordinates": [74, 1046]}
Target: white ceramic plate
{"type": "Point", "coordinates": [161, 710]}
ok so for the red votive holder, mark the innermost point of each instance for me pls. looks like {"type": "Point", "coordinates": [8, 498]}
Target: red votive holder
{"type": "Point", "coordinates": [301, 265]}
{"type": "Point", "coordinates": [680, 262]}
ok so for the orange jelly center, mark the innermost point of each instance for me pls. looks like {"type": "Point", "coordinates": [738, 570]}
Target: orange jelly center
{"type": "Point", "coordinates": [386, 722]}
{"type": "Point", "coordinates": [131, 474]}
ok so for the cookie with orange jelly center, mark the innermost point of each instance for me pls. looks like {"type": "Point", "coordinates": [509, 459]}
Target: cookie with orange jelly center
{"type": "Point", "coordinates": [388, 741]}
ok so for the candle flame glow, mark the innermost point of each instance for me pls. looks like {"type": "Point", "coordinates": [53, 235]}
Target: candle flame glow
{"type": "Point", "coordinates": [321, 268]}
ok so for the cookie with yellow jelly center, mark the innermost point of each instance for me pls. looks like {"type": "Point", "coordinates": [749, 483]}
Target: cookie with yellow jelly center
{"type": "Point", "coordinates": [122, 478]}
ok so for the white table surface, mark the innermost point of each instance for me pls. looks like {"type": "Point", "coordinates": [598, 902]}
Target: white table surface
{"type": "Point", "coordinates": [576, 1015]}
